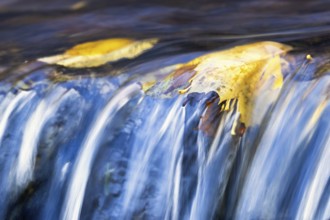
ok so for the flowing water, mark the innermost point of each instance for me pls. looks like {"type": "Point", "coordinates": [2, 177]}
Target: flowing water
{"type": "Point", "coordinates": [90, 144]}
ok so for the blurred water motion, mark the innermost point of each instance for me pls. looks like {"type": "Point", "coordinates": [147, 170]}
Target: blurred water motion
{"type": "Point", "coordinates": [89, 144]}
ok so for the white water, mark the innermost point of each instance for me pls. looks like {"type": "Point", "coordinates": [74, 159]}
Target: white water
{"type": "Point", "coordinates": [168, 167]}
{"type": "Point", "coordinates": [31, 135]}
{"type": "Point", "coordinates": [312, 197]}
{"type": "Point", "coordinates": [13, 107]}
{"type": "Point", "coordinates": [82, 167]}
{"type": "Point", "coordinates": [149, 147]}
{"type": "Point", "coordinates": [209, 163]}
{"type": "Point", "coordinates": [286, 137]}
{"type": "Point", "coordinates": [19, 100]}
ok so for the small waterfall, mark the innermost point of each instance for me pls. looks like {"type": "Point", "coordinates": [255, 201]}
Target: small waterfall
{"type": "Point", "coordinates": [217, 158]}
{"type": "Point", "coordinates": [33, 129]}
{"type": "Point", "coordinates": [169, 166]}
{"type": "Point", "coordinates": [284, 178]}
{"type": "Point", "coordinates": [82, 167]}
{"type": "Point", "coordinates": [16, 104]}
{"type": "Point", "coordinates": [150, 136]}
{"type": "Point", "coordinates": [100, 149]}
{"type": "Point", "coordinates": [165, 145]}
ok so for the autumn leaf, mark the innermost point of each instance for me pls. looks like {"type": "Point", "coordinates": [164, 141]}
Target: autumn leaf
{"type": "Point", "coordinates": [234, 74]}
{"type": "Point", "coordinates": [97, 53]}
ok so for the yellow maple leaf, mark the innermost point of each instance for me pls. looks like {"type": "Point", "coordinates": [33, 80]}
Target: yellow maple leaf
{"type": "Point", "coordinates": [236, 73]}
{"type": "Point", "coordinates": [97, 53]}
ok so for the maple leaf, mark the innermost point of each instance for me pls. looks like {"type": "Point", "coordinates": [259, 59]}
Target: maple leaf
{"type": "Point", "coordinates": [97, 53]}
{"type": "Point", "coordinates": [234, 74]}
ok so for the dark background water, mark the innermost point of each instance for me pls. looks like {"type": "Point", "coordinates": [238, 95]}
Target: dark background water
{"type": "Point", "coordinates": [30, 29]}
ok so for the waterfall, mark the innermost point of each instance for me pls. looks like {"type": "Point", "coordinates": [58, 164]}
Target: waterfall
{"type": "Point", "coordinates": [287, 157]}
{"type": "Point", "coordinates": [165, 144]}
{"type": "Point", "coordinates": [33, 129]}
{"type": "Point", "coordinates": [169, 167]}
{"type": "Point", "coordinates": [82, 167]}
{"type": "Point", "coordinates": [100, 149]}
{"type": "Point", "coordinates": [218, 159]}
{"type": "Point", "coordinates": [164, 110]}
{"type": "Point", "coordinates": [17, 102]}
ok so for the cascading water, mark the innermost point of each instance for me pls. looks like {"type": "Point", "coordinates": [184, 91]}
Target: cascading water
{"type": "Point", "coordinates": [95, 143]}
{"type": "Point", "coordinates": [86, 155]}
{"type": "Point", "coordinates": [32, 131]}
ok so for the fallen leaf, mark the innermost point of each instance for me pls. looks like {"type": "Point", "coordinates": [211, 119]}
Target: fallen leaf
{"type": "Point", "coordinates": [97, 53]}
{"type": "Point", "coordinates": [236, 73]}
{"type": "Point", "coordinates": [79, 5]}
